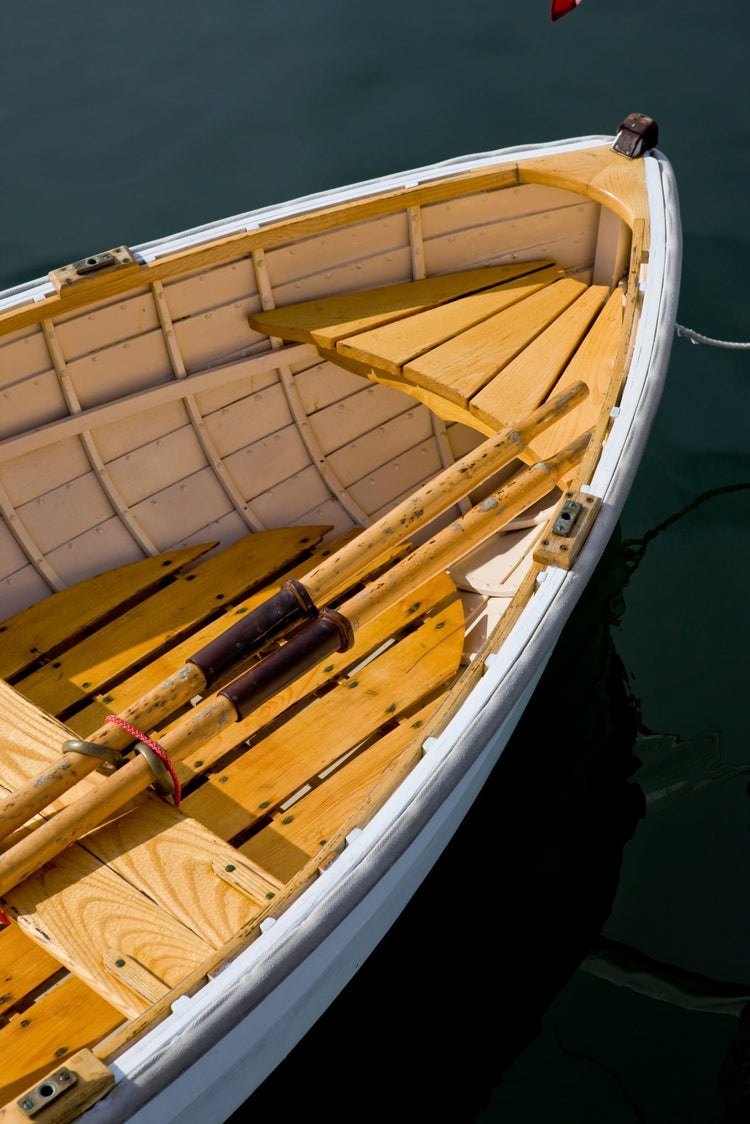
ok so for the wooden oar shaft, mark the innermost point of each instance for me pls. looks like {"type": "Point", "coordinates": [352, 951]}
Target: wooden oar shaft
{"type": "Point", "coordinates": [435, 497]}
{"type": "Point", "coordinates": [87, 813]}
{"type": "Point", "coordinates": [462, 536]}
{"type": "Point", "coordinates": [147, 712]}
{"type": "Point", "coordinates": [196, 727]}
{"type": "Point", "coordinates": [323, 582]}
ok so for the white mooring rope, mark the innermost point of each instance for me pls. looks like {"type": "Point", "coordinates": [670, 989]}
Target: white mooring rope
{"type": "Point", "coordinates": [696, 337]}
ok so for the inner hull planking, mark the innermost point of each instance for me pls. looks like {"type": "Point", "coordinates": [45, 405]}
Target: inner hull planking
{"type": "Point", "coordinates": [295, 374]}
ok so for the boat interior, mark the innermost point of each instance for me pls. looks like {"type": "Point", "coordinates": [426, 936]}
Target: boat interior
{"type": "Point", "coordinates": [182, 431]}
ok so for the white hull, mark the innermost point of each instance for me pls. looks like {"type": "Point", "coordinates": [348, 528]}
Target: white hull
{"type": "Point", "coordinates": [216, 1047]}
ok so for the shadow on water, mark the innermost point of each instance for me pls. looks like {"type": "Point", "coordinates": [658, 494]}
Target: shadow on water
{"type": "Point", "coordinates": [459, 985]}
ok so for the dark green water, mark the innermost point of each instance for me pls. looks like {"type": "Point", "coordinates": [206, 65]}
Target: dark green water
{"type": "Point", "coordinates": [124, 122]}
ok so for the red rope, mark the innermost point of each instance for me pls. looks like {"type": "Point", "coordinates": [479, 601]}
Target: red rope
{"type": "Point", "coordinates": [156, 748]}
{"type": "Point", "coordinates": [3, 919]}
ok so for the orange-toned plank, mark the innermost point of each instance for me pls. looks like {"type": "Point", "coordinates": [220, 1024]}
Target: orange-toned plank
{"type": "Point", "coordinates": [135, 686]}
{"type": "Point", "coordinates": [297, 833]}
{"type": "Point", "coordinates": [64, 1020]}
{"type": "Point", "coordinates": [391, 347]}
{"type": "Point", "coordinates": [309, 743]}
{"type": "Point", "coordinates": [597, 172]}
{"type": "Point", "coordinates": [593, 364]}
{"type": "Point", "coordinates": [24, 966]}
{"type": "Point", "coordinates": [50, 907]}
{"type": "Point", "coordinates": [58, 620]}
{"type": "Point", "coordinates": [327, 320]}
{"type": "Point", "coordinates": [528, 379]}
{"type": "Point", "coordinates": [171, 613]}
{"type": "Point", "coordinates": [459, 368]}
{"type": "Point", "coordinates": [412, 606]}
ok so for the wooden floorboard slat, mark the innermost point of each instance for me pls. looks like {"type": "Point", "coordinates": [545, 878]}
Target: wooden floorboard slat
{"type": "Point", "coordinates": [297, 833]}
{"type": "Point", "coordinates": [271, 771]}
{"type": "Point", "coordinates": [170, 614]}
{"type": "Point", "coordinates": [66, 1019]}
{"type": "Point", "coordinates": [593, 363]}
{"type": "Point", "coordinates": [59, 620]}
{"type": "Point", "coordinates": [463, 365]}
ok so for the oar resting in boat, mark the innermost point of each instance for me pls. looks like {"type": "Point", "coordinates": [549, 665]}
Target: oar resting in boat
{"type": "Point", "coordinates": [294, 602]}
{"type": "Point", "coordinates": [331, 631]}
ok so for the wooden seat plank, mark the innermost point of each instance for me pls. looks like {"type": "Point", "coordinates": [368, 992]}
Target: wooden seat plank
{"type": "Point", "coordinates": [390, 348]}
{"type": "Point", "coordinates": [65, 1019]}
{"type": "Point", "coordinates": [409, 609]}
{"type": "Point", "coordinates": [297, 833]}
{"type": "Point", "coordinates": [309, 743]}
{"type": "Point", "coordinates": [593, 363]}
{"type": "Point", "coordinates": [463, 365]}
{"type": "Point", "coordinates": [24, 966]}
{"type": "Point", "coordinates": [171, 613]}
{"type": "Point", "coordinates": [327, 320]}
{"type": "Point", "coordinates": [525, 382]}
{"type": "Point", "coordinates": [59, 620]}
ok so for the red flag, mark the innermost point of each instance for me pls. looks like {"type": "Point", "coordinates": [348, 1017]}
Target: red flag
{"type": "Point", "coordinates": [561, 8]}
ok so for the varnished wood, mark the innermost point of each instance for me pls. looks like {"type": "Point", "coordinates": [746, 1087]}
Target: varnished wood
{"type": "Point", "coordinates": [299, 832]}
{"type": "Point", "coordinates": [235, 797]}
{"type": "Point", "coordinates": [59, 620]}
{"type": "Point", "coordinates": [460, 368]}
{"type": "Point", "coordinates": [326, 321]}
{"type": "Point", "coordinates": [531, 376]}
{"type": "Point", "coordinates": [173, 612]}
{"type": "Point", "coordinates": [593, 364]}
{"type": "Point", "coordinates": [24, 966]}
{"type": "Point", "coordinates": [93, 1080]}
{"type": "Point", "coordinates": [136, 634]}
{"type": "Point", "coordinates": [390, 348]}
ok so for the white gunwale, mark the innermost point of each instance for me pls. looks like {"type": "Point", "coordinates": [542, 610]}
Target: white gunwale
{"type": "Point", "coordinates": [304, 951]}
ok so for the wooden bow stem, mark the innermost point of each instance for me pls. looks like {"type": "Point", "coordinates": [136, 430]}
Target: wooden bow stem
{"type": "Point", "coordinates": [331, 631]}
{"type": "Point", "coordinates": [293, 603]}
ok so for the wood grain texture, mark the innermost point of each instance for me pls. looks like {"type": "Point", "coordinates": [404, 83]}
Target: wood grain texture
{"type": "Point", "coordinates": [597, 172]}
{"type": "Point", "coordinates": [410, 607]}
{"type": "Point", "coordinates": [24, 966]}
{"type": "Point", "coordinates": [461, 367]}
{"type": "Point", "coordinates": [58, 620]}
{"type": "Point", "coordinates": [129, 690]}
{"type": "Point", "coordinates": [390, 348]}
{"type": "Point", "coordinates": [296, 834]}
{"type": "Point", "coordinates": [77, 908]}
{"type": "Point", "coordinates": [529, 378]}
{"type": "Point", "coordinates": [329, 319]}
{"type": "Point", "coordinates": [147, 629]}
{"type": "Point", "coordinates": [93, 1081]}
{"type": "Point", "coordinates": [277, 766]}
{"type": "Point", "coordinates": [593, 364]}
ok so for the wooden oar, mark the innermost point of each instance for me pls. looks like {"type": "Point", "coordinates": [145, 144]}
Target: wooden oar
{"type": "Point", "coordinates": [331, 631]}
{"type": "Point", "coordinates": [294, 602]}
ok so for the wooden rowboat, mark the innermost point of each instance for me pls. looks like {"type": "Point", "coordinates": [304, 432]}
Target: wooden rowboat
{"type": "Point", "coordinates": [295, 507]}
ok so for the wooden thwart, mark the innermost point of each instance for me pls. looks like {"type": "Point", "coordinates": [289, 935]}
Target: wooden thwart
{"type": "Point", "coordinates": [325, 321]}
